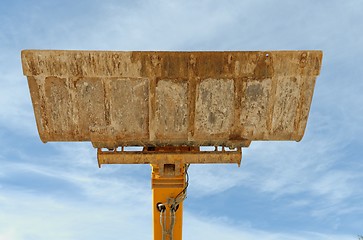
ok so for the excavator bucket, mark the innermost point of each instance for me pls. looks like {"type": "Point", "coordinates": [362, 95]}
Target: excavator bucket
{"type": "Point", "coordinates": [160, 99]}
{"type": "Point", "coordinates": [170, 103]}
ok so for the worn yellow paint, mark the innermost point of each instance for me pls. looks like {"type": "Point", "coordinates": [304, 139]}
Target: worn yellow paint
{"type": "Point", "coordinates": [164, 187]}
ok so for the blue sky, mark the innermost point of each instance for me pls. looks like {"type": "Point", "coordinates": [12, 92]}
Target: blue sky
{"type": "Point", "coordinates": [283, 190]}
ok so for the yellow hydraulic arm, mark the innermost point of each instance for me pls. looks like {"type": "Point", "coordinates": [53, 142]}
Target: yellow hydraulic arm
{"type": "Point", "coordinates": [169, 179]}
{"type": "Point", "coordinates": [168, 190]}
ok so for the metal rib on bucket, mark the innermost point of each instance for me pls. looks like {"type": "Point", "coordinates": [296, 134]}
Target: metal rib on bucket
{"type": "Point", "coordinates": [171, 98]}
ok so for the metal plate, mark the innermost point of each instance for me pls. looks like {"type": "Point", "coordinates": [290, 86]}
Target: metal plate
{"type": "Point", "coordinates": [171, 98]}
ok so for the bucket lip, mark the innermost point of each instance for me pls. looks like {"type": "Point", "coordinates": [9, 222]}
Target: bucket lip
{"type": "Point", "coordinates": [26, 52]}
{"type": "Point", "coordinates": [172, 51]}
{"type": "Point", "coordinates": [58, 62]}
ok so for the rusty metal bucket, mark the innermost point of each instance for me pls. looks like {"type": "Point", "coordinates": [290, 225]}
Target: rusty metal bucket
{"type": "Point", "coordinates": [171, 98]}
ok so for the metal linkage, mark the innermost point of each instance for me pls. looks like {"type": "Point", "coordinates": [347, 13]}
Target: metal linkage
{"type": "Point", "coordinates": [169, 155]}
{"type": "Point", "coordinates": [170, 178]}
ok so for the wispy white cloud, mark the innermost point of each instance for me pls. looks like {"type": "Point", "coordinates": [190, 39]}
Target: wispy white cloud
{"type": "Point", "coordinates": [15, 103]}
{"type": "Point", "coordinates": [28, 216]}
{"type": "Point", "coordinates": [77, 166]}
{"type": "Point", "coordinates": [308, 171]}
{"type": "Point", "coordinates": [199, 228]}
{"type": "Point", "coordinates": [103, 203]}
{"type": "Point", "coordinates": [214, 179]}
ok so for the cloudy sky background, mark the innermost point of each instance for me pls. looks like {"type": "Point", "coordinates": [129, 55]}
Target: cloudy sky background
{"type": "Point", "coordinates": [283, 190]}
